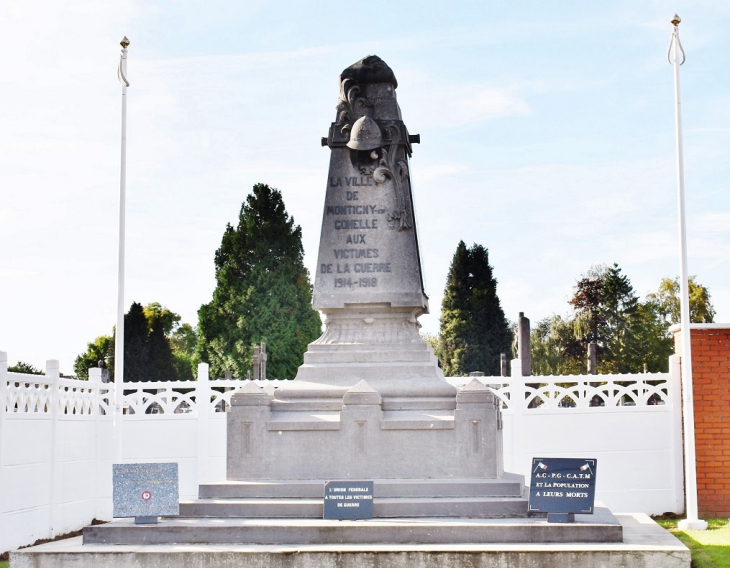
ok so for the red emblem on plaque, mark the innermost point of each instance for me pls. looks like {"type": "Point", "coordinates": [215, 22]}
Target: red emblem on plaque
{"type": "Point", "coordinates": [146, 495]}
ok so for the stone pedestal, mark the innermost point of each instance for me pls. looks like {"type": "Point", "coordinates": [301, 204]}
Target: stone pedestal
{"type": "Point", "coordinates": [363, 440]}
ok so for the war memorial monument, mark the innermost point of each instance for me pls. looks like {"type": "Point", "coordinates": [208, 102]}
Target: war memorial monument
{"type": "Point", "coordinates": [369, 404]}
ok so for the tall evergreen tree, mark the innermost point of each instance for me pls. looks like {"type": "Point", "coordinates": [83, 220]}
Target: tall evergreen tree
{"type": "Point", "coordinates": [156, 347]}
{"type": "Point", "coordinates": [161, 365]}
{"type": "Point", "coordinates": [263, 292]}
{"type": "Point", "coordinates": [136, 345]}
{"type": "Point", "coordinates": [474, 330]}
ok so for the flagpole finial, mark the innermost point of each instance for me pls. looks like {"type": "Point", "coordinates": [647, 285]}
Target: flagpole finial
{"type": "Point", "coordinates": [676, 20]}
{"type": "Point", "coordinates": [125, 42]}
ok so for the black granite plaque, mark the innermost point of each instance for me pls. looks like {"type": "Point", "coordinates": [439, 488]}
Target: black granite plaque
{"type": "Point", "coordinates": [348, 500]}
{"type": "Point", "coordinates": [563, 485]}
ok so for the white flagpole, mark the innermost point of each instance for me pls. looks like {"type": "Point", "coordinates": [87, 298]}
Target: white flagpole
{"type": "Point", "coordinates": [677, 58]}
{"type": "Point", "coordinates": [119, 342]}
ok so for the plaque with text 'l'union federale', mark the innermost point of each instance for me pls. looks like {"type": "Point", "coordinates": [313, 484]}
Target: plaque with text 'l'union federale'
{"type": "Point", "coordinates": [563, 485]}
{"type": "Point", "coordinates": [348, 500]}
{"type": "Point", "coordinates": [145, 489]}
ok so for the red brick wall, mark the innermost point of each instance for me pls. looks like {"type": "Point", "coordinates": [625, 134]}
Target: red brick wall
{"type": "Point", "coordinates": [711, 381]}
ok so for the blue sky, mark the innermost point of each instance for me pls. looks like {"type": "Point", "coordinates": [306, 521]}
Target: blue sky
{"type": "Point", "coordinates": [547, 136]}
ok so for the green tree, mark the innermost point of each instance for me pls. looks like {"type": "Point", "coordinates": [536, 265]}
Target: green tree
{"type": "Point", "coordinates": [555, 349]}
{"type": "Point", "coordinates": [628, 334]}
{"type": "Point", "coordinates": [25, 368]}
{"type": "Point", "coordinates": [619, 309]}
{"type": "Point", "coordinates": [168, 319]}
{"type": "Point", "coordinates": [161, 365]}
{"type": "Point", "coordinates": [589, 319]}
{"type": "Point", "coordinates": [157, 347]}
{"type": "Point", "coordinates": [653, 342]}
{"type": "Point", "coordinates": [99, 350]}
{"type": "Point", "coordinates": [474, 330]}
{"type": "Point", "coordinates": [701, 309]}
{"type": "Point", "coordinates": [183, 341]}
{"type": "Point", "coordinates": [136, 345]}
{"type": "Point", "coordinates": [262, 293]}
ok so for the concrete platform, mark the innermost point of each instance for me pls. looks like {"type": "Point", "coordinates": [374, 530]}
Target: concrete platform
{"type": "Point", "coordinates": [382, 508]}
{"type": "Point", "coordinates": [600, 527]}
{"type": "Point", "coordinates": [507, 485]}
{"type": "Point", "coordinates": [394, 498]}
{"type": "Point", "coordinates": [645, 545]}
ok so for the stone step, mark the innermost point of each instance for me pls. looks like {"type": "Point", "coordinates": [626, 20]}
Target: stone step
{"type": "Point", "coordinates": [487, 507]}
{"type": "Point", "coordinates": [600, 527]}
{"type": "Point", "coordinates": [357, 357]}
{"type": "Point", "coordinates": [352, 347]}
{"type": "Point", "coordinates": [509, 485]}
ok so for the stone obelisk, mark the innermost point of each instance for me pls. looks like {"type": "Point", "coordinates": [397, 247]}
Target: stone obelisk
{"type": "Point", "coordinates": [368, 282]}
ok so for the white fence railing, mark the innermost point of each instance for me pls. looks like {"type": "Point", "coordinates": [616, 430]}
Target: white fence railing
{"type": "Point", "coordinates": [577, 391]}
{"type": "Point", "coordinates": [57, 438]}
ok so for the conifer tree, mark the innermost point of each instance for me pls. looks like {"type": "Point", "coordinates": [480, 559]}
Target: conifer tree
{"type": "Point", "coordinates": [136, 345]}
{"type": "Point", "coordinates": [263, 292]}
{"type": "Point", "coordinates": [474, 330]}
{"type": "Point", "coordinates": [156, 348]}
{"type": "Point", "coordinates": [161, 365]}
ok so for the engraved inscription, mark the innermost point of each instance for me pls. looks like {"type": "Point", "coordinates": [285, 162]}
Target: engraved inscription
{"type": "Point", "coordinates": [355, 253]}
{"type": "Point", "coordinates": [351, 181]}
{"type": "Point", "coordinates": [356, 224]}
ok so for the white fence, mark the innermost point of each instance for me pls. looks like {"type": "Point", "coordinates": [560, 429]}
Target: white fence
{"type": "Point", "coordinates": [57, 439]}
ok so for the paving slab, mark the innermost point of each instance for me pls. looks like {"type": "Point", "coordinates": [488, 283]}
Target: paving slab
{"type": "Point", "coordinates": [645, 545]}
{"type": "Point", "coordinates": [600, 527]}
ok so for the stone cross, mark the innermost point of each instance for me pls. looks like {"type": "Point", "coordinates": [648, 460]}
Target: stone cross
{"type": "Point", "coordinates": [259, 362]}
{"type": "Point", "coordinates": [523, 344]}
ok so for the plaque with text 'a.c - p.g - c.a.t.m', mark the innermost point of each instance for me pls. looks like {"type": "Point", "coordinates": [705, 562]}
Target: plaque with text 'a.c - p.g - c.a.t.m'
{"type": "Point", "coordinates": [145, 489]}
{"type": "Point", "coordinates": [563, 485]}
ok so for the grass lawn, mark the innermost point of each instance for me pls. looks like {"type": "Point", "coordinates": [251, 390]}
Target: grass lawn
{"type": "Point", "coordinates": [3, 564]}
{"type": "Point", "coordinates": [710, 548]}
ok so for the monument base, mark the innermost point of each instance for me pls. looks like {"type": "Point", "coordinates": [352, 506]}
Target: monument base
{"type": "Point", "coordinates": [478, 498]}
{"type": "Point", "coordinates": [645, 545]}
{"type": "Point", "coordinates": [274, 439]}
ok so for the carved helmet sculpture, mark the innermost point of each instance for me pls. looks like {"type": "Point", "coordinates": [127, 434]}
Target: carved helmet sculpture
{"type": "Point", "coordinates": [365, 135]}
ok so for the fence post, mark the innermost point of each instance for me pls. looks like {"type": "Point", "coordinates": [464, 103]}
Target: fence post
{"type": "Point", "coordinates": [518, 404]}
{"type": "Point", "coordinates": [3, 403]}
{"type": "Point", "coordinates": [675, 399]}
{"type": "Point", "coordinates": [53, 375]}
{"type": "Point", "coordinates": [95, 381]}
{"type": "Point", "coordinates": [203, 404]}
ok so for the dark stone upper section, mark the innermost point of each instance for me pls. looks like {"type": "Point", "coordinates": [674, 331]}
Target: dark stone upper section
{"type": "Point", "coordinates": [370, 69]}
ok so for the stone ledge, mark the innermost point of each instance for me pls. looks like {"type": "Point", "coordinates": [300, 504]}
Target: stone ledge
{"type": "Point", "coordinates": [645, 545]}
